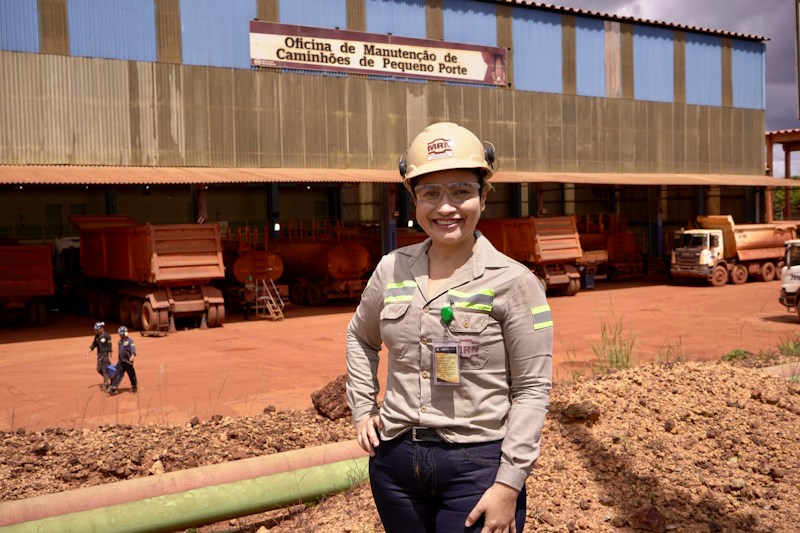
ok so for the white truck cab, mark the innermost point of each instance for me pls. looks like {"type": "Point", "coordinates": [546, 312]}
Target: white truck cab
{"type": "Point", "coordinates": [697, 252]}
{"type": "Point", "coordinates": [790, 276]}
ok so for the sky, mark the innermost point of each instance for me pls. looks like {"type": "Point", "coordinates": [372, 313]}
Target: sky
{"type": "Point", "coordinates": [773, 19]}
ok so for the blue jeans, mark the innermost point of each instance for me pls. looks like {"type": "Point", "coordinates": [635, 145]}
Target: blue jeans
{"type": "Point", "coordinates": [432, 487]}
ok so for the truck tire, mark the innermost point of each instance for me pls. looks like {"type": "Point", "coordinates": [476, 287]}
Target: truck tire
{"type": "Point", "coordinates": [220, 314]}
{"type": "Point", "coordinates": [767, 272]}
{"type": "Point", "coordinates": [104, 307]}
{"type": "Point", "coordinates": [211, 317]}
{"type": "Point", "coordinates": [297, 293]}
{"type": "Point", "coordinates": [315, 295]}
{"type": "Point", "coordinates": [149, 317]}
{"type": "Point", "coordinates": [738, 274]}
{"type": "Point", "coordinates": [136, 314]}
{"type": "Point", "coordinates": [125, 311]}
{"type": "Point", "coordinates": [573, 287]}
{"type": "Point", "coordinates": [719, 277]}
{"type": "Point", "coordinates": [41, 313]}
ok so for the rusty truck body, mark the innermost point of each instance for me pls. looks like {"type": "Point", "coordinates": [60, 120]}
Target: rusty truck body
{"type": "Point", "coordinates": [720, 250]}
{"type": "Point", "coordinates": [149, 274]}
{"type": "Point", "coordinates": [549, 246]}
{"type": "Point", "coordinates": [26, 281]}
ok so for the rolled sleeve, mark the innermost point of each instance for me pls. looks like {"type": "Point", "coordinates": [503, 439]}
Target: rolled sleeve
{"type": "Point", "coordinates": [528, 336]}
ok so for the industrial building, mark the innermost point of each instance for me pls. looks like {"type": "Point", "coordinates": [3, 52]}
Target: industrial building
{"type": "Point", "coordinates": [174, 111]}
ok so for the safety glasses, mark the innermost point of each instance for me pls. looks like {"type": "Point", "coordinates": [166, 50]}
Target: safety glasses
{"type": "Point", "coordinates": [458, 193]}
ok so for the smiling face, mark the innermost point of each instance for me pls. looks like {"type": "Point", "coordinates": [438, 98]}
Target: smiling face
{"type": "Point", "coordinates": [450, 223]}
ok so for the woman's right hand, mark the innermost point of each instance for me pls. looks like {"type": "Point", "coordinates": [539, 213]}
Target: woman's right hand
{"type": "Point", "coordinates": [367, 433]}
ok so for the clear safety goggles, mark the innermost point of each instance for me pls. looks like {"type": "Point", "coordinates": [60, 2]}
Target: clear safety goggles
{"type": "Point", "coordinates": [458, 193]}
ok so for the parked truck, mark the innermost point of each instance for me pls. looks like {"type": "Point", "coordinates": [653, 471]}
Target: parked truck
{"type": "Point", "coordinates": [151, 274]}
{"type": "Point", "coordinates": [26, 281]}
{"type": "Point", "coordinates": [790, 277]}
{"type": "Point", "coordinates": [609, 232]}
{"type": "Point", "coordinates": [549, 246]}
{"type": "Point", "coordinates": [720, 250]}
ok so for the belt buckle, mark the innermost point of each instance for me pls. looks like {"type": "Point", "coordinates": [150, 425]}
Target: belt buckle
{"type": "Point", "coordinates": [414, 437]}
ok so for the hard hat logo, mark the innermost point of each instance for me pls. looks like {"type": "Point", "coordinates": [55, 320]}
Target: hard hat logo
{"type": "Point", "coordinates": [440, 148]}
{"type": "Point", "coordinates": [445, 146]}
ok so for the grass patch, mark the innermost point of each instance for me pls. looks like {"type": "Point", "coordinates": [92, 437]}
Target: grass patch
{"type": "Point", "coordinates": [789, 346]}
{"type": "Point", "coordinates": [614, 351]}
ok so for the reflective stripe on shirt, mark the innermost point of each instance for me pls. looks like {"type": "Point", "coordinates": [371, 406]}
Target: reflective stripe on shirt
{"type": "Point", "coordinates": [542, 318]}
{"type": "Point", "coordinates": [401, 291]}
{"type": "Point", "coordinates": [483, 300]}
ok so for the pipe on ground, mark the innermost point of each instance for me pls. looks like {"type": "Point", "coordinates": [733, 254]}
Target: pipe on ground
{"type": "Point", "coordinates": [208, 505]}
{"type": "Point", "coordinates": [39, 507]}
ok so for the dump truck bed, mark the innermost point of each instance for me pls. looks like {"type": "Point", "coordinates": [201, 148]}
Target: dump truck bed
{"type": "Point", "coordinates": [534, 240]}
{"type": "Point", "coordinates": [26, 271]}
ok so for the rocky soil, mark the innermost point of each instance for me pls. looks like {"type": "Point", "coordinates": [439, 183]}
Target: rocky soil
{"type": "Point", "coordinates": [684, 447]}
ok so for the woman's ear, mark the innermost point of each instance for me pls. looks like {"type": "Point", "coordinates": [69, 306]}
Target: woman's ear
{"type": "Point", "coordinates": [483, 199]}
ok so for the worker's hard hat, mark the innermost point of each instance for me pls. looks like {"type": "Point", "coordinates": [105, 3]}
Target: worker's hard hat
{"type": "Point", "coordinates": [444, 146]}
{"type": "Point", "coordinates": [99, 325]}
{"type": "Point", "coordinates": [122, 330]}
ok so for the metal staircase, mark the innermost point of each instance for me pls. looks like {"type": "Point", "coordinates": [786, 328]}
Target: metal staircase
{"type": "Point", "coordinates": [269, 303]}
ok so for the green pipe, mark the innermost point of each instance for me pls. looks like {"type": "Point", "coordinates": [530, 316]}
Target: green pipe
{"type": "Point", "coordinates": [208, 505]}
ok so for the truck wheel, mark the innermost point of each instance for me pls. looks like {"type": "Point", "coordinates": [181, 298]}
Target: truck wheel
{"type": "Point", "coordinates": [136, 314]}
{"type": "Point", "coordinates": [211, 318]}
{"type": "Point", "coordinates": [149, 317]}
{"type": "Point", "coordinates": [719, 277]}
{"type": "Point", "coordinates": [739, 274]}
{"type": "Point", "coordinates": [573, 287]}
{"type": "Point", "coordinates": [767, 272]}
{"type": "Point", "coordinates": [220, 314]}
{"type": "Point", "coordinates": [315, 295]}
{"type": "Point", "coordinates": [41, 313]}
{"type": "Point", "coordinates": [125, 310]}
{"type": "Point", "coordinates": [104, 310]}
{"type": "Point", "coordinates": [297, 294]}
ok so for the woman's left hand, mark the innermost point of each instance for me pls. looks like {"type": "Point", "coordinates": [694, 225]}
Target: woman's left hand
{"type": "Point", "coordinates": [498, 506]}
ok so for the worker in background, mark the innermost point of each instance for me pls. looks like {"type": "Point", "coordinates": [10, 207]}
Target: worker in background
{"type": "Point", "coordinates": [125, 355]}
{"type": "Point", "coordinates": [249, 296]}
{"type": "Point", "coordinates": [469, 340]}
{"type": "Point", "coordinates": [102, 342]}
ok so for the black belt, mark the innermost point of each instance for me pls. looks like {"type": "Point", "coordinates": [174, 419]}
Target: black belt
{"type": "Point", "coordinates": [418, 434]}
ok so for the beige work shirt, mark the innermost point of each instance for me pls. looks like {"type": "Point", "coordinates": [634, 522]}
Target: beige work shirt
{"type": "Point", "coordinates": [499, 305]}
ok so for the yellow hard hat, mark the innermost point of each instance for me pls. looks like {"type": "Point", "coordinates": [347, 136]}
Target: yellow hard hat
{"type": "Point", "coordinates": [444, 146]}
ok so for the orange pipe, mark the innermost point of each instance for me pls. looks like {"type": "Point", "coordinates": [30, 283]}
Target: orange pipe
{"type": "Point", "coordinates": [72, 501]}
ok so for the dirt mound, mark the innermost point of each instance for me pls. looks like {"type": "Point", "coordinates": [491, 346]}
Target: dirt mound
{"type": "Point", "coordinates": [665, 447]}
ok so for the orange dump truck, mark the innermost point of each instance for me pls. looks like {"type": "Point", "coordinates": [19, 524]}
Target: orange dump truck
{"type": "Point", "coordinates": [721, 251]}
{"type": "Point", "coordinates": [151, 274]}
{"type": "Point", "coordinates": [609, 233]}
{"type": "Point", "coordinates": [549, 246]}
{"type": "Point", "coordinates": [26, 280]}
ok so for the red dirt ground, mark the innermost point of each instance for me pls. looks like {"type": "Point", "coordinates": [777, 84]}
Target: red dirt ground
{"type": "Point", "coordinates": [242, 367]}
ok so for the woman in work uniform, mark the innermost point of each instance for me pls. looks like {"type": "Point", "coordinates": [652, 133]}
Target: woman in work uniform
{"type": "Point", "coordinates": [469, 338]}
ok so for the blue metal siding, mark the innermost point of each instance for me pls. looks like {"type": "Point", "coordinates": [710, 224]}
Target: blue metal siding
{"type": "Point", "coordinates": [217, 34]}
{"type": "Point", "coordinates": [398, 17]}
{"type": "Point", "coordinates": [319, 13]}
{"type": "Point", "coordinates": [653, 64]}
{"type": "Point", "coordinates": [747, 73]}
{"type": "Point", "coordinates": [590, 57]}
{"type": "Point", "coordinates": [468, 21]}
{"type": "Point", "coordinates": [537, 50]}
{"type": "Point", "coordinates": [703, 69]}
{"type": "Point", "coordinates": [19, 25]}
{"type": "Point", "coordinates": [116, 29]}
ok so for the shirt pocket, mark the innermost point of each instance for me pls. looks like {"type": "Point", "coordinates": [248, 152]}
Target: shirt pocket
{"type": "Point", "coordinates": [467, 327]}
{"type": "Point", "coordinates": [394, 328]}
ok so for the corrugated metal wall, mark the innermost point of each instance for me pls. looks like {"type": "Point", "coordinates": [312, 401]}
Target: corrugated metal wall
{"type": "Point", "coordinates": [19, 25]}
{"type": "Point", "coordinates": [117, 29]}
{"type": "Point", "coordinates": [537, 50]}
{"type": "Point", "coordinates": [469, 21]}
{"type": "Point", "coordinates": [319, 13]}
{"type": "Point", "coordinates": [398, 17]}
{"type": "Point", "coordinates": [703, 69]}
{"type": "Point", "coordinates": [590, 62]}
{"type": "Point", "coordinates": [748, 74]}
{"type": "Point", "coordinates": [66, 110]}
{"type": "Point", "coordinates": [215, 33]}
{"type": "Point", "coordinates": [653, 64]}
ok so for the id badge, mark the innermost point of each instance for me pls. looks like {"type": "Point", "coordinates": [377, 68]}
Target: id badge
{"type": "Point", "coordinates": [446, 363]}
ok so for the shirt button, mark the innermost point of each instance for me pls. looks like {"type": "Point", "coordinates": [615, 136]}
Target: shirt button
{"type": "Point", "coordinates": [423, 340]}
{"type": "Point", "coordinates": [466, 323]}
{"type": "Point", "coordinates": [423, 409]}
{"type": "Point", "coordinates": [425, 374]}
{"type": "Point", "coordinates": [426, 309]}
